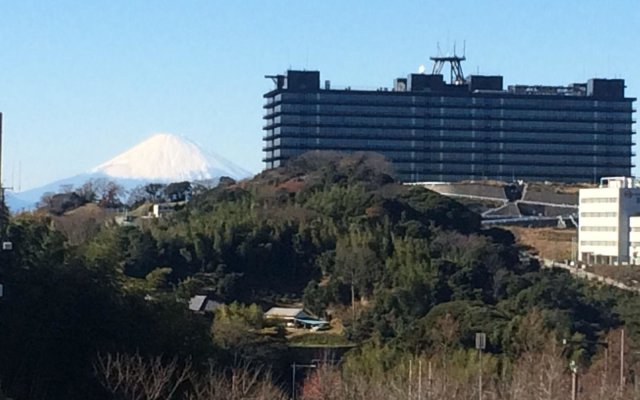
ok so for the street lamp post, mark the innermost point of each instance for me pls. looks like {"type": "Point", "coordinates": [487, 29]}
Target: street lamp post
{"type": "Point", "coordinates": [573, 366]}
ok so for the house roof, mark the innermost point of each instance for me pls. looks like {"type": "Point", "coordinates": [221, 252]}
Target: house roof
{"type": "Point", "coordinates": [196, 302]}
{"type": "Point", "coordinates": [203, 303]}
{"type": "Point", "coordinates": [285, 312]}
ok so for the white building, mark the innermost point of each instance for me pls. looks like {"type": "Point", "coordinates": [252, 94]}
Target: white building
{"type": "Point", "coordinates": [634, 240]}
{"type": "Point", "coordinates": [162, 209]}
{"type": "Point", "coordinates": [610, 222]}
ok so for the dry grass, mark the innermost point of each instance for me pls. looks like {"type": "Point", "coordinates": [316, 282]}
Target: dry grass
{"type": "Point", "coordinates": [548, 243]}
{"type": "Point", "coordinates": [560, 188]}
{"type": "Point", "coordinates": [83, 222]}
{"type": "Point", "coordinates": [627, 274]}
{"type": "Point", "coordinates": [143, 210]}
{"type": "Point", "coordinates": [487, 182]}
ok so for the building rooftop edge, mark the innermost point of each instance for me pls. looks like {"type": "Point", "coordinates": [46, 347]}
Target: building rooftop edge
{"type": "Point", "coordinates": [597, 88]}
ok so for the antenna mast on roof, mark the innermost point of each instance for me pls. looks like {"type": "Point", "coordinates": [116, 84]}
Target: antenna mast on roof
{"type": "Point", "coordinates": [456, 74]}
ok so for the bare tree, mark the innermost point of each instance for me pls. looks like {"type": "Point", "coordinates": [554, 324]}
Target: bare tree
{"type": "Point", "coordinates": [244, 382]}
{"type": "Point", "coordinates": [132, 377]}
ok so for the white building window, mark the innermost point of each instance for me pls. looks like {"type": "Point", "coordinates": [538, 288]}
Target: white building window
{"type": "Point", "coordinates": [598, 214]}
{"type": "Point", "coordinates": [598, 228]}
{"type": "Point", "coordinates": [600, 200]}
{"type": "Point", "coordinates": [597, 243]}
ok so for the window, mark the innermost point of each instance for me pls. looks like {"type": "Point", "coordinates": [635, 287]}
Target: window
{"type": "Point", "coordinates": [600, 200]}
{"type": "Point", "coordinates": [598, 214]}
{"type": "Point", "coordinates": [598, 228]}
{"type": "Point", "coordinates": [597, 243]}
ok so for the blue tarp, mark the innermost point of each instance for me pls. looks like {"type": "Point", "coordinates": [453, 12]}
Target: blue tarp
{"type": "Point", "coordinates": [314, 322]}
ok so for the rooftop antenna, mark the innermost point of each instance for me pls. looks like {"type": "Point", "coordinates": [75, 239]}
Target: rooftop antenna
{"type": "Point", "coordinates": [455, 62]}
{"type": "Point", "coordinates": [278, 80]}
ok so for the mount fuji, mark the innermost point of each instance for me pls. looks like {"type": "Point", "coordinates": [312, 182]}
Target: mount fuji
{"type": "Point", "coordinates": [168, 158]}
{"type": "Point", "coordinates": [161, 158]}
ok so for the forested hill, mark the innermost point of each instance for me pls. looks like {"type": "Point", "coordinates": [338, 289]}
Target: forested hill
{"type": "Point", "coordinates": [403, 268]}
{"type": "Point", "coordinates": [290, 226]}
{"type": "Point", "coordinates": [338, 232]}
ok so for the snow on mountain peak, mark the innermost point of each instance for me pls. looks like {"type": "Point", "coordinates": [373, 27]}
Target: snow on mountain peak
{"type": "Point", "coordinates": [169, 158]}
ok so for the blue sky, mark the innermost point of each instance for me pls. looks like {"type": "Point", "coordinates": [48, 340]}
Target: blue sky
{"type": "Point", "coordinates": [82, 81]}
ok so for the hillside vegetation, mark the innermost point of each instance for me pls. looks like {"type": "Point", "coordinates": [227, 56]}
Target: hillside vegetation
{"type": "Point", "coordinates": [407, 271]}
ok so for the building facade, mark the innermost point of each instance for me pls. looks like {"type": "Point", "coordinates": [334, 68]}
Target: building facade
{"type": "Point", "coordinates": [470, 129]}
{"type": "Point", "coordinates": [609, 228]}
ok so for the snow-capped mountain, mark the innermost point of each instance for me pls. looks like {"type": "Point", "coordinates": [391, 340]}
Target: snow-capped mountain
{"type": "Point", "coordinates": [168, 158]}
{"type": "Point", "coordinates": [162, 158]}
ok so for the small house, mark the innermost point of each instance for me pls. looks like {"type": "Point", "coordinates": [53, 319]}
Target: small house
{"type": "Point", "coordinates": [295, 317]}
{"type": "Point", "coordinates": [162, 209]}
{"type": "Point", "coordinates": [286, 314]}
{"type": "Point", "coordinates": [202, 303]}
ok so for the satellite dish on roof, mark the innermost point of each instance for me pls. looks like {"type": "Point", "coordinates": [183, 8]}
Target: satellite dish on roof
{"type": "Point", "coordinates": [421, 69]}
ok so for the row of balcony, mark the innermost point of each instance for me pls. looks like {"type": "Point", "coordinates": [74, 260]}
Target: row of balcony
{"type": "Point", "coordinates": [438, 149]}
{"type": "Point", "coordinates": [540, 105]}
{"type": "Point", "coordinates": [482, 139]}
{"type": "Point", "coordinates": [491, 128]}
{"type": "Point", "coordinates": [436, 115]}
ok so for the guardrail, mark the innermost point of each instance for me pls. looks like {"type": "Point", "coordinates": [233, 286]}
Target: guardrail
{"type": "Point", "coordinates": [580, 273]}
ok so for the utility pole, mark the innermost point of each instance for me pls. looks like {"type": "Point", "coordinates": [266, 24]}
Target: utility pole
{"type": "Point", "coordinates": [621, 384]}
{"type": "Point", "coordinates": [430, 377]}
{"type": "Point", "coordinates": [481, 344]}
{"type": "Point", "coordinates": [480, 375]}
{"type": "Point", "coordinates": [605, 375]}
{"type": "Point", "coordinates": [6, 245]}
{"type": "Point", "coordinates": [410, 380]}
{"type": "Point", "coordinates": [420, 380]}
{"type": "Point", "coordinates": [1, 187]}
{"type": "Point", "coordinates": [293, 381]}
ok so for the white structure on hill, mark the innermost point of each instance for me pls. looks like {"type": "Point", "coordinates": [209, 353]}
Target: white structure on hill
{"type": "Point", "coordinates": [286, 314]}
{"type": "Point", "coordinates": [162, 209]}
{"type": "Point", "coordinates": [610, 222]}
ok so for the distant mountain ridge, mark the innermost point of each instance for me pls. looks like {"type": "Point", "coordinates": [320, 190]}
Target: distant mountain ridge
{"type": "Point", "coordinates": [161, 158]}
{"type": "Point", "coordinates": [15, 203]}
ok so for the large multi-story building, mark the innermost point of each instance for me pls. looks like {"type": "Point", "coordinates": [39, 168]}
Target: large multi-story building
{"type": "Point", "coordinates": [469, 129]}
{"type": "Point", "coordinates": [609, 230]}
